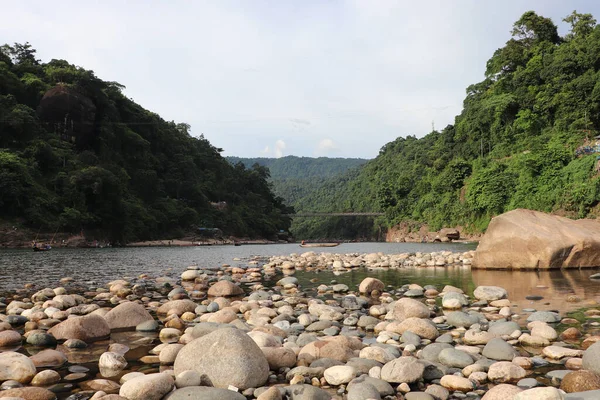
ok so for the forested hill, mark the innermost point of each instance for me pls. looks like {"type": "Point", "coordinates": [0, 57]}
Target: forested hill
{"type": "Point", "coordinates": [294, 178]}
{"type": "Point", "coordinates": [515, 143]}
{"type": "Point", "coordinates": [77, 154]}
{"type": "Point", "coordinates": [292, 167]}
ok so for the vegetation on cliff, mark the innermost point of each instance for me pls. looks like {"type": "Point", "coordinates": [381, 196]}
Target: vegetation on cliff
{"type": "Point", "coordinates": [514, 144]}
{"type": "Point", "coordinates": [76, 153]}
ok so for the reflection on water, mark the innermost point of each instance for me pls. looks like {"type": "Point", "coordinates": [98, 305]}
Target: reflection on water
{"type": "Point", "coordinates": [45, 269]}
{"type": "Point", "coordinates": [559, 288]}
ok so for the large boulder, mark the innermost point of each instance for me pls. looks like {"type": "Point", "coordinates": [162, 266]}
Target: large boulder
{"type": "Point", "coordinates": [16, 366]}
{"type": "Point", "coordinates": [403, 369]}
{"type": "Point", "coordinates": [591, 358]}
{"type": "Point", "coordinates": [526, 239]}
{"type": "Point", "coordinates": [127, 316]}
{"type": "Point", "coordinates": [147, 387]}
{"type": "Point", "coordinates": [88, 328]}
{"type": "Point", "coordinates": [225, 289]}
{"type": "Point", "coordinates": [409, 308]}
{"type": "Point", "coordinates": [28, 393]}
{"type": "Point", "coordinates": [340, 348]}
{"type": "Point", "coordinates": [177, 307]}
{"type": "Point", "coordinates": [226, 357]}
{"type": "Point", "coordinates": [370, 284]}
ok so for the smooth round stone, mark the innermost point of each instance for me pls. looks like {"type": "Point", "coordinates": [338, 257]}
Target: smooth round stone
{"type": "Point", "coordinates": [503, 328]}
{"type": "Point", "coordinates": [528, 383]}
{"type": "Point", "coordinates": [338, 375]}
{"type": "Point", "coordinates": [445, 338]}
{"type": "Point", "coordinates": [557, 375]}
{"type": "Point", "coordinates": [455, 358]}
{"type": "Point", "coordinates": [169, 335]}
{"type": "Point", "coordinates": [75, 344]}
{"type": "Point", "coordinates": [10, 384]}
{"type": "Point", "coordinates": [45, 378]}
{"type": "Point", "coordinates": [61, 387]}
{"type": "Point", "coordinates": [591, 358]}
{"type": "Point", "coordinates": [147, 326]}
{"type": "Point", "coordinates": [461, 319]}
{"type": "Point", "coordinates": [333, 331]}
{"type": "Point", "coordinates": [432, 351]}
{"type": "Point", "coordinates": [414, 293]}
{"type": "Point", "coordinates": [188, 378]}
{"type": "Point", "coordinates": [16, 366]}
{"type": "Point", "coordinates": [74, 377]}
{"type": "Point", "coordinates": [454, 300]}
{"type": "Point", "coordinates": [544, 316]}
{"type": "Point", "coordinates": [497, 349]}
{"type": "Point", "coordinates": [16, 320]}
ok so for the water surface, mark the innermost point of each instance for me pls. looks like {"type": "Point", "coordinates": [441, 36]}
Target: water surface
{"type": "Point", "coordinates": [98, 266]}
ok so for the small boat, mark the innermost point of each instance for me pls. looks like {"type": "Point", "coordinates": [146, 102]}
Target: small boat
{"type": "Point", "coordinates": [319, 244]}
{"type": "Point", "coordinates": [42, 248]}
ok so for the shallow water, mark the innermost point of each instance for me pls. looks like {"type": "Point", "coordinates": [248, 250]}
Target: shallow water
{"type": "Point", "coordinates": [89, 266]}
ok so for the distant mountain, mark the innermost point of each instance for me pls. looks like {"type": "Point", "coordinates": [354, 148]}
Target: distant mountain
{"type": "Point", "coordinates": [292, 167]}
{"type": "Point", "coordinates": [301, 180]}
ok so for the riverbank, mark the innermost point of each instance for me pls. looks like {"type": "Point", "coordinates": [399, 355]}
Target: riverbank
{"type": "Point", "coordinates": [270, 337]}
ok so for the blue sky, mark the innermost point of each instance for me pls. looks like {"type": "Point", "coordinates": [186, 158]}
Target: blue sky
{"type": "Point", "coordinates": [272, 78]}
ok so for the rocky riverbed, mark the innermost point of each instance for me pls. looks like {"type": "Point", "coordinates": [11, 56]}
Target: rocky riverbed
{"type": "Point", "coordinates": [246, 332]}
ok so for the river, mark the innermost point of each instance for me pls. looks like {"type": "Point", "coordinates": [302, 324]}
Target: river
{"type": "Point", "coordinates": [98, 266]}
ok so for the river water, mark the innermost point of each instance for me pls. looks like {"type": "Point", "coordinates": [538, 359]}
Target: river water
{"type": "Point", "coordinates": [98, 266]}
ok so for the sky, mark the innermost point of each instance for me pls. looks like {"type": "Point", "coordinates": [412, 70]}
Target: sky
{"type": "Point", "coordinates": [270, 78]}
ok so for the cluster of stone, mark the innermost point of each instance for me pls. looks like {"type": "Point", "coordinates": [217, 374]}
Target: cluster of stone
{"type": "Point", "coordinates": [344, 262]}
{"type": "Point", "coordinates": [235, 333]}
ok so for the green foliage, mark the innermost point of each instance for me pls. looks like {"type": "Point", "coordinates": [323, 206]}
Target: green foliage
{"type": "Point", "coordinates": [512, 146]}
{"type": "Point", "coordinates": [124, 175]}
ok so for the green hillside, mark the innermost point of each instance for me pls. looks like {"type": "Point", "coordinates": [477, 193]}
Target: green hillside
{"type": "Point", "coordinates": [515, 144]}
{"type": "Point", "coordinates": [294, 178]}
{"type": "Point", "coordinates": [77, 154]}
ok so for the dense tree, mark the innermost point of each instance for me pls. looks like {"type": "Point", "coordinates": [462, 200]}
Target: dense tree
{"type": "Point", "coordinates": [513, 145]}
{"type": "Point", "coordinates": [76, 153]}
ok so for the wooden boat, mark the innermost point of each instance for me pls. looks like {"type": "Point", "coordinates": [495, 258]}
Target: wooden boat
{"type": "Point", "coordinates": [42, 248]}
{"type": "Point", "coordinates": [319, 244]}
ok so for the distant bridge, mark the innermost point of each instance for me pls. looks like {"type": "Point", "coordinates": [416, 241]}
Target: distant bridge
{"type": "Point", "coordinates": [346, 214]}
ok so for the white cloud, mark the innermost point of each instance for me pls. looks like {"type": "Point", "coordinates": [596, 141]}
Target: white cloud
{"type": "Point", "coordinates": [325, 147]}
{"type": "Point", "coordinates": [279, 147]}
{"type": "Point", "coordinates": [251, 72]}
{"type": "Point", "coordinates": [266, 150]}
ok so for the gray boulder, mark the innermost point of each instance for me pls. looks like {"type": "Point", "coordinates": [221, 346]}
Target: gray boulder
{"type": "Point", "coordinates": [591, 358]}
{"type": "Point", "coordinates": [402, 369]}
{"type": "Point", "coordinates": [497, 349]}
{"type": "Point", "coordinates": [127, 316]}
{"type": "Point", "coordinates": [226, 357]}
{"type": "Point", "coordinates": [490, 293]}
{"type": "Point", "coordinates": [503, 328]}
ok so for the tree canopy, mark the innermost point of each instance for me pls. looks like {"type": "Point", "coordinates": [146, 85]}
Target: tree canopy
{"type": "Point", "coordinates": [513, 145]}
{"type": "Point", "coordinates": [76, 153]}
